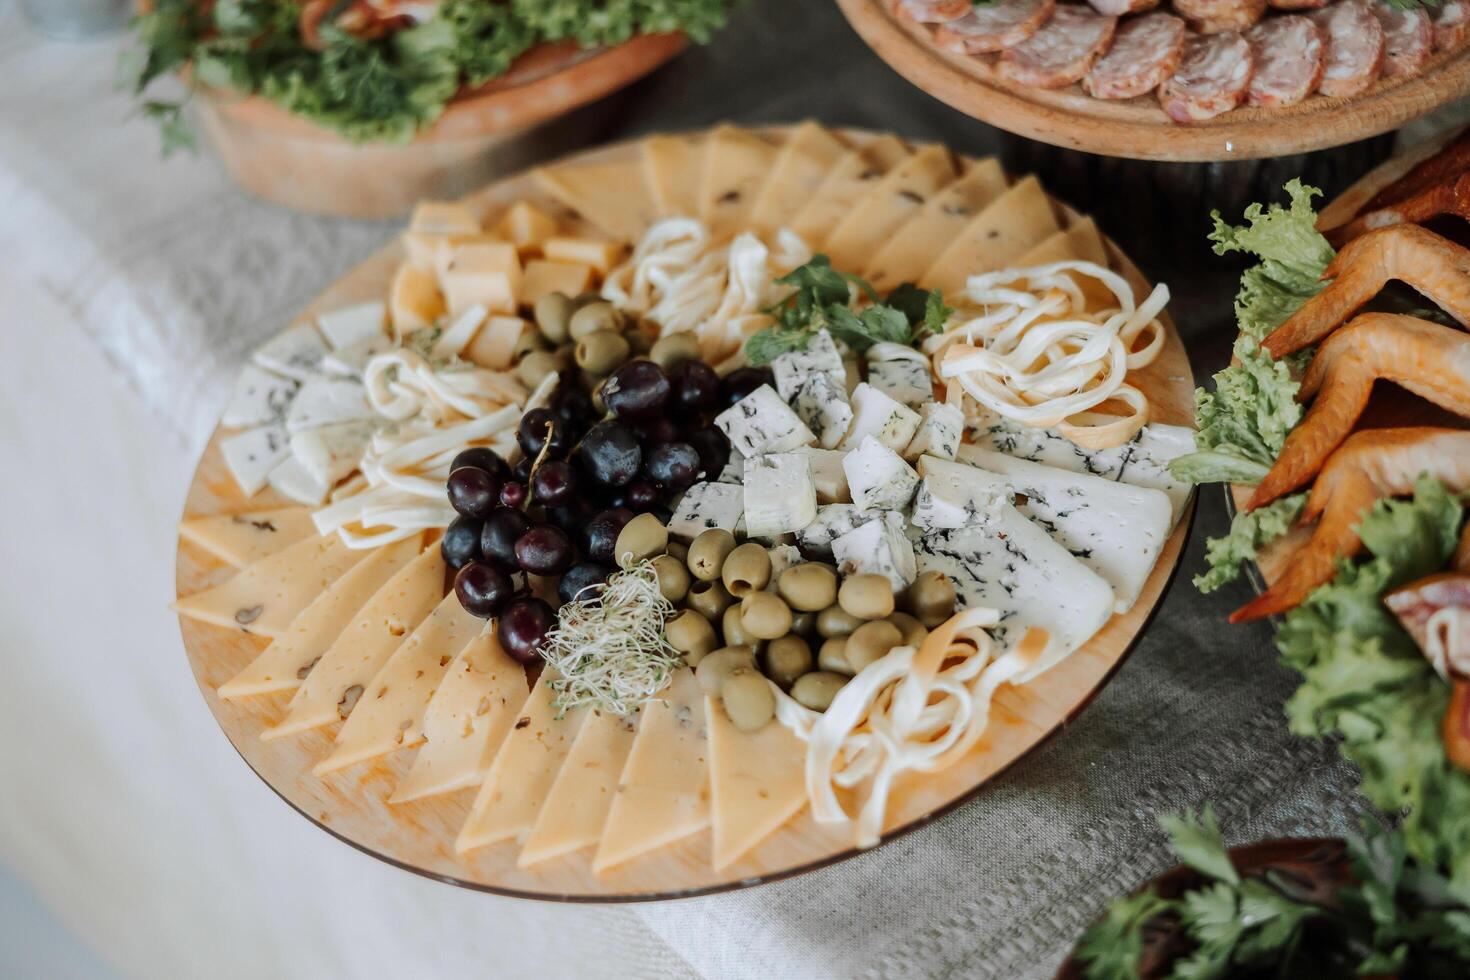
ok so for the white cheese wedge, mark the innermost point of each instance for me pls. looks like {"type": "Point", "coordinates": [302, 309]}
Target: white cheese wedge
{"type": "Point", "coordinates": [340, 677]}
{"type": "Point", "coordinates": [663, 792]}
{"type": "Point", "coordinates": [821, 356]}
{"type": "Point", "coordinates": [260, 396]}
{"type": "Point", "coordinates": [906, 380]}
{"type": "Point", "coordinates": [523, 771]}
{"type": "Point", "coordinates": [331, 452]}
{"type": "Point", "coordinates": [877, 415]}
{"type": "Point", "coordinates": [762, 423]}
{"type": "Point", "coordinates": [705, 506]}
{"type": "Point", "coordinates": [828, 476]}
{"type": "Point", "coordinates": [878, 478]}
{"type": "Point", "coordinates": [349, 362]}
{"type": "Point", "coordinates": [241, 539]}
{"type": "Point", "coordinates": [832, 522]}
{"type": "Point", "coordinates": [576, 809]}
{"type": "Point", "coordinates": [460, 332]}
{"type": "Point", "coordinates": [294, 482]}
{"type": "Point", "coordinates": [779, 493]}
{"type": "Point", "coordinates": [390, 714]}
{"type": "Point", "coordinates": [263, 598]}
{"type": "Point", "coordinates": [1115, 529]}
{"type": "Point", "coordinates": [956, 495]}
{"type": "Point", "coordinates": [284, 664]}
{"type": "Point", "coordinates": [468, 717]}
{"type": "Point", "coordinates": [1013, 566]}
{"type": "Point", "coordinates": [879, 547]}
{"type": "Point", "coordinates": [252, 454]}
{"type": "Point", "coordinates": [941, 428]}
{"type": "Point", "coordinates": [297, 353]}
{"type": "Point", "coordinates": [326, 401]}
{"type": "Point", "coordinates": [354, 324]}
{"type": "Point", "coordinates": [757, 783]}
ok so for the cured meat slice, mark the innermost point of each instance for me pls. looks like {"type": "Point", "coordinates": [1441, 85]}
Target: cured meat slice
{"type": "Point", "coordinates": [1408, 40]}
{"type": "Point", "coordinates": [1297, 4]}
{"type": "Point", "coordinates": [996, 27]}
{"type": "Point", "coordinates": [1145, 51]}
{"type": "Point", "coordinates": [1451, 24]}
{"type": "Point", "coordinates": [1117, 8]}
{"type": "Point", "coordinates": [1220, 16]}
{"type": "Point", "coordinates": [1288, 52]}
{"type": "Point", "coordinates": [1062, 50]}
{"type": "Point", "coordinates": [1212, 77]}
{"type": "Point", "coordinates": [932, 11]}
{"type": "Point", "coordinates": [1354, 40]}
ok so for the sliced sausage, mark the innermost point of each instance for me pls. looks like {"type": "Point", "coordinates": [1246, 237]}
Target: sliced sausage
{"type": "Point", "coordinates": [1145, 51]}
{"type": "Point", "coordinates": [932, 11]}
{"type": "Point", "coordinates": [1288, 52]}
{"type": "Point", "coordinates": [1220, 16]}
{"type": "Point", "coordinates": [1354, 41]}
{"type": "Point", "coordinates": [1062, 51]}
{"type": "Point", "coordinates": [1408, 40]}
{"type": "Point", "coordinates": [1297, 4]}
{"type": "Point", "coordinates": [1212, 77]}
{"type": "Point", "coordinates": [1451, 24]}
{"type": "Point", "coordinates": [996, 27]}
{"type": "Point", "coordinates": [1117, 8]}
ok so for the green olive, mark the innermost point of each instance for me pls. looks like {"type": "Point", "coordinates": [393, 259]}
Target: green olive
{"type": "Point", "coordinates": [787, 658]}
{"type": "Point", "coordinates": [552, 312]}
{"type": "Point", "coordinates": [692, 635]}
{"type": "Point", "coordinates": [765, 616]}
{"type": "Point", "coordinates": [642, 336]}
{"type": "Point", "coordinates": [673, 348]}
{"type": "Point", "coordinates": [931, 598]}
{"type": "Point", "coordinates": [866, 596]}
{"type": "Point", "coordinates": [836, 621]}
{"type": "Point", "coordinates": [534, 367]}
{"type": "Point", "coordinates": [673, 577]}
{"type": "Point", "coordinates": [642, 537]}
{"type": "Point", "coordinates": [817, 689]}
{"type": "Point", "coordinates": [914, 632]}
{"type": "Point", "coordinates": [565, 357]}
{"type": "Point", "coordinates": [732, 627]}
{"type": "Point", "coordinates": [709, 599]}
{"type": "Point", "coordinates": [707, 553]}
{"type": "Point", "coordinates": [602, 350]}
{"type": "Point", "coordinates": [747, 569]}
{"type": "Point", "coordinates": [595, 316]}
{"type": "Point", "coordinates": [748, 699]}
{"type": "Point", "coordinates": [529, 340]}
{"type": "Point", "coordinates": [715, 667]}
{"type": "Point", "coordinates": [679, 550]}
{"type": "Point", "coordinates": [809, 587]}
{"type": "Point", "coordinates": [833, 656]}
{"type": "Point", "coordinates": [871, 642]}
{"type": "Point", "coordinates": [803, 624]}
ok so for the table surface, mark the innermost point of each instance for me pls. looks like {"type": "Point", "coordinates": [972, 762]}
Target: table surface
{"type": "Point", "coordinates": [134, 289]}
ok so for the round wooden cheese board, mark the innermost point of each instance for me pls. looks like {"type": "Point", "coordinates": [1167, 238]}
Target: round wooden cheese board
{"type": "Point", "coordinates": [420, 836]}
{"type": "Point", "coordinates": [1138, 128]}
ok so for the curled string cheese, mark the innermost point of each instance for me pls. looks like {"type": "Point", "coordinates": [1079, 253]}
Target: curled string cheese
{"type": "Point", "coordinates": [914, 710]}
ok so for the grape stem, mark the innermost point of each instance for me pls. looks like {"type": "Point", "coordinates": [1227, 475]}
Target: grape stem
{"type": "Point", "coordinates": [535, 464]}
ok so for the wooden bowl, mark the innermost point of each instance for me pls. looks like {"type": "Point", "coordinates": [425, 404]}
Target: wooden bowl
{"type": "Point", "coordinates": [293, 162]}
{"type": "Point", "coordinates": [1138, 128]}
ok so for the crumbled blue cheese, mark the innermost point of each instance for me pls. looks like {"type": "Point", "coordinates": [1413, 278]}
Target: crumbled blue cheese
{"type": "Point", "coordinates": [330, 452]}
{"type": "Point", "coordinates": [297, 353]}
{"type": "Point", "coordinates": [779, 494]}
{"type": "Point", "coordinates": [822, 405]}
{"type": "Point", "coordinates": [941, 428]}
{"type": "Point", "coordinates": [259, 396]}
{"type": "Point", "coordinates": [354, 324]}
{"type": "Point", "coordinates": [877, 415]}
{"type": "Point", "coordinates": [832, 522]}
{"type": "Point", "coordinates": [880, 547]}
{"type": "Point", "coordinates": [828, 475]}
{"type": "Point", "coordinates": [821, 358]}
{"type": "Point", "coordinates": [762, 423]}
{"type": "Point", "coordinates": [705, 506]}
{"type": "Point", "coordinates": [252, 454]}
{"type": "Point", "coordinates": [878, 478]}
{"type": "Point", "coordinates": [906, 380]}
{"type": "Point", "coordinates": [325, 401]}
{"type": "Point", "coordinates": [956, 495]}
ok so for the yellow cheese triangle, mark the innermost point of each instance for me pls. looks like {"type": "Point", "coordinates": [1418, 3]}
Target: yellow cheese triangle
{"type": "Point", "coordinates": [913, 247]}
{"type": "Point", "coordinates": [282, 665]}
{"type": "Point", "coordinates": [610, 195]}
{"type": "Point", "coordinates": [242, 539]}
{"type": "Point", "coordinates": [339, 679]}
{"type": "Point", "coordinates": [390, 714]}
{"type": "Point", "coordinates": [849, 179]}
{"type": "Point", "coordinates": [801, 165]}
{"type": "Point", "coordinates": [757, 782]}
{"type": "Point", "coordinates": [736, 162]}
{"type": "Point", "coordinates": [672, 167]}
{"type": "Point", "coordinates": [1015, 222]}
{"type": "Point", "coordinates": [1079, 242]}
{"type": "Point", "coordinates": [265, 596]}
{"type": "Point", "coordinates": [515, 787]}
{"type": "Point", "coordinates": [466, 720]}
{"type": "Point", "coordinates": [663, 793]}
{"type": "Point", "coordinates": [577, 806]}
{"type": "Point", "coordinates": [897, 198]}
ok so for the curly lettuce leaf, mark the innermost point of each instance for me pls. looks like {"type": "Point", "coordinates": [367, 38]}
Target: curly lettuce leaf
{"type": "Point", "coordinates": [1249, 532]}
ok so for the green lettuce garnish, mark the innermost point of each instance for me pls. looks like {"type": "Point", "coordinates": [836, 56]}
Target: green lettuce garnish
{"type": "Point", "coordinates": [1249, 532]}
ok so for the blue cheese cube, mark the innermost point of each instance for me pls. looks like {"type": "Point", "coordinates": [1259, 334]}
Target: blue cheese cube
{"type": "Point", "coordinates": [906, 379]}
{"type": "Point", "coordinates": [878, 478]}
{"type": "Point", "coordinates": [297, 353]}
{"type": "Point", "coordinates": [260, 396]}
{"type": "Point", "coordinates": [705, 506]}
{"type": "Point", "coordinates": [877, 415]}
{"type": "Point", "coordinates": [252, 454]}
{"type": "Point", "coordinates": [354, 324]}
{"type": "Point", "coordinates": [880, 547]}
{"type": "Point", "coordinates": [762, 423]}
{"type": "Point", "coordinates": [832, 522]}
{"type": "Point", "coordinates": [821, 404]}
{"type": "Point", "coordinates": [326, 401]}
{"type": "Point", "coordinates": [957, 495]}
{"type": "Point", "coordinates": [828, 475]}
{"type": "Point", "coordinates": [940, 430]}
{"type": "Point", "coordinates": [821, 357]}
{"type": "Point", "coordinates": [779, 494]}
{"type": "Point", "coordinates": [330, 452]}
{"type": "Point", "coordinates": [782, 556]}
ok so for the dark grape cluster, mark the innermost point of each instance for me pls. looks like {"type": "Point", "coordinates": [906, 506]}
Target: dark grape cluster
{"type": "Point", "coordinates": [558, 512]}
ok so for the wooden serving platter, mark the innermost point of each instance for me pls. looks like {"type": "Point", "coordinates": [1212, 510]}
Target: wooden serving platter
{"type": "Point", "coordinates": [419, 836]}
{"type": "Point", "coordinates": [1138, 128]}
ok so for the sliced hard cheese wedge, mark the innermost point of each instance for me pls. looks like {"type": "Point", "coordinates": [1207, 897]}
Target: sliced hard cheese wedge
{"type": "Point", "coordinates": [285, 663]}
{"type": "Point", "coordinates": [241, 539]}
{"type": "Point", "coordinates": [466, 720]}
{"type": "Point", "coordinates": [265, 596]}
{"type": "Point", "coordinates": [736, 162]}
{"type": "Point", "coordinates": [912, 248]}
{"type": "Point", "coordinates": [1016, 221]}
{"type": "Point", "coordinates": [801, 165]}
{"type": "Point", "coordinates": [577, 807]}
{"type": "Point", "coordinates": [337, 682]}
{"type": "Point", "coordinates": [757, 782]}
{"type": "Point", "coordinates": [524, 769]}
{"type": "Point", "coordinates": [1114, 529]}
{"type": "Point", "coordinates": [390, 713]}
{"type": "Point", "coordinates": [895, 199]}
{"type": "Point", "coordinates": [610, 195]}
{"type": "Point", "coordinates": [414, 300]}
{"type": "Point", "coordinates": [672, 167]}
{"type": "Point", "coordinates": [1079, 242]}
{"type": "Point", "coordinates": [853, 176]}
{"type": "Point", "coordinates": [663, 793]}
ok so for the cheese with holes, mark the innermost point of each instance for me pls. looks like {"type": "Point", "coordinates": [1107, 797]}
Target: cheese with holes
{"type": "Point", "coordinates": [705, 506]}
{"type": "Point", "coordinates": [895, 200]}
{"type": "Point", "coordinates": [597, 253]}
{"type": "Point", "coordinates": [525, 226]}
{"type": "Point", "coordinates": [414, 299]}
{"type": "Point", "coordinates": [251, 455]}
{"type": "Point", "coordinates": [260, 396]}
{"type": "Point", "coordinates": [542, 277]}
{"type": "Point", "coordinates": [323, 401]}
{"type": "Point", "coordinates": [802, 163]}
{"type": "Point", "coordinates": [443, 218]}
{"type": "Point", "coordinates": [956, 495]}
{"type": "Point", "coordinates": [941, 427]}
{"type": "Point", "coordinates": [241, 539]}
{"type": "Point", "coordinates": [847, 181]}
{"type": "Point", "coordinates": [353, 324]}
{"type": "Point", "coordinates": [757, 783]}
{"type": "Point", "coordinates": [1009, 226]}
{"type": "Point", "coordinates": [879, 547]}
{"type": "Point", "coordinates": [484, 274]}
{"type": "Point", "coordinates": [912, 248]}
{"type": "Point", "coordinates": [576, 809]}
{"type": "Point", "coordinates": [672, 168]}
{"type": "Point", "coordinates": [878, 478]}
{"type": "Point", "coordinates": [779, 493]}
{"type": "Point", "coordinates": [736, 162]}
{"type": "Point", "coordinates": [762, 423]}
{"type": "Point", "coordinates": [292, 480]}
{"type": "Point", "coordinates": [297, 353]}
{"type": "Point", "coordinates": [877, 415]}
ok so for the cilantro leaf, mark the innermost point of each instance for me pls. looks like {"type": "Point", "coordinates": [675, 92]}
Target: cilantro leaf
{"type": "Point", "coordinates": [1249, 532]}
{"type": "Point", "coordinates": [822, 300]}
{"type": "Point", "coordinates": [821, 283]}
{"type": "Point", "coordinates": [1198, 843]}
{"type": "Point", "coordinates": [936, 314]}
{"type": "Point", "coordinates": [1111, 947]}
